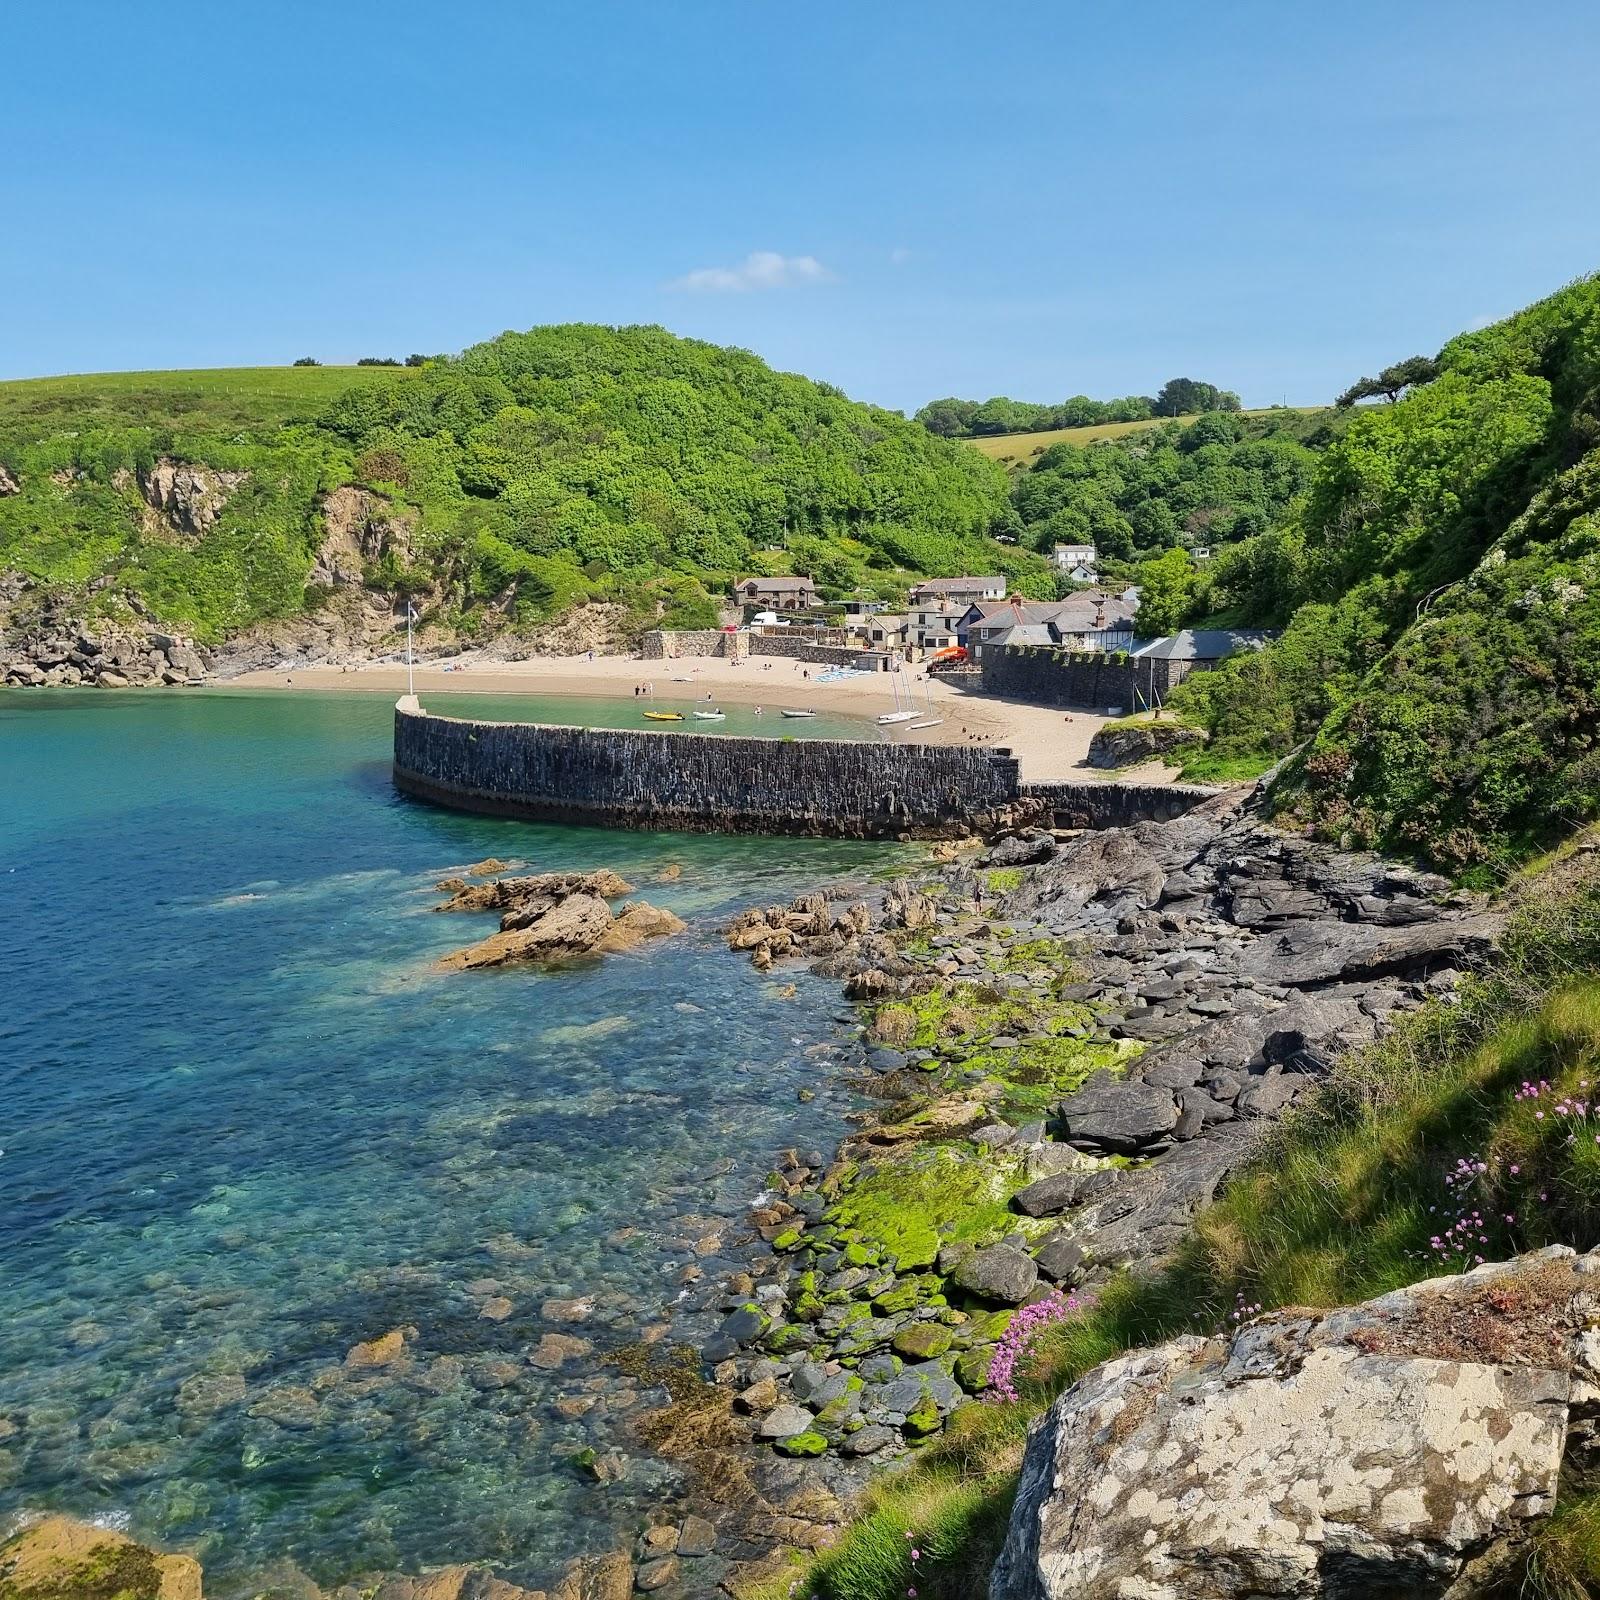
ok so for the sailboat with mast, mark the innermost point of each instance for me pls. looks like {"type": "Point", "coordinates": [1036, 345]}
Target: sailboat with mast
{"type": "Point", "coordinates": [898, 715]}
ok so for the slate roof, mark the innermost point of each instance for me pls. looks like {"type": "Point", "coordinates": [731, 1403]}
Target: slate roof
{"type": "Point", "coordinates": [958, 585]}
{"type": "Point", "coordinates": [1204, 644]}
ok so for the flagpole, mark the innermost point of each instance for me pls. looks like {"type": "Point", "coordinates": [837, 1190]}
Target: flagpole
{"type": "Point", "coordinates": [411, 682]}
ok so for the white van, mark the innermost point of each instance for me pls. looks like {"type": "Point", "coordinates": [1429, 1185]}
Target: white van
{"type": "Point", "coordinates": [768, 619]}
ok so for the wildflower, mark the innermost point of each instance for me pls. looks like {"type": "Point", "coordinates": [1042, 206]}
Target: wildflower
{"type": "Point", "coordinates": [916, 1555]}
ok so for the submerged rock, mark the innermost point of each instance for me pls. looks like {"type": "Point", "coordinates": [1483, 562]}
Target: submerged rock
{"type": "Point", "coordinates": [1380, 1449]}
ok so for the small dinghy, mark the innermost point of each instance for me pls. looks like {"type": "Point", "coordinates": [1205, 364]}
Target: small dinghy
{"type": "Point", "coordinates": [664, 716]}
{"type": "Point", "coordinates": [710, 716]}
{"type": "Point", "coordinates": [928, 722]}
{"type": "Point", "coordinates": [799, 713]}
{"type": "Point", "coordinates": [898, 716]}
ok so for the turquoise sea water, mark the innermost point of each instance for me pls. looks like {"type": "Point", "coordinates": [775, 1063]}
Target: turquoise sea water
{"type": "Point", "coordinates": [245, 1128]}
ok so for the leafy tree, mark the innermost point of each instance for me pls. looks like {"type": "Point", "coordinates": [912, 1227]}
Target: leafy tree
{"type": "Point", "coordinates": [1167, 588]}
{"type": "Point", "coordinates": [307, 361]}
{"type": "Point", "coordinates": [1182, 397]}
{"type": "Point", "coordinates": [1392, 382]}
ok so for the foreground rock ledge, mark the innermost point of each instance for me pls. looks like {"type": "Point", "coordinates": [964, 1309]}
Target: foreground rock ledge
{"type": "Point", "coordinates": [1385, 1450]}
{"type": "Point", "coordinates": [58, 1556]}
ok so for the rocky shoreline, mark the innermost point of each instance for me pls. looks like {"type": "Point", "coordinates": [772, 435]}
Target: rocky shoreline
{"type": "Point", "coordinates": [1073, 1041]}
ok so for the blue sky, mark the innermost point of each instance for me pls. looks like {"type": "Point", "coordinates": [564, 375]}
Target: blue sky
{"type": "Point", "coordinates": [906, 200]}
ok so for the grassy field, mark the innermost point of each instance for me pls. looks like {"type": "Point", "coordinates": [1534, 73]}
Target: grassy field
{"type": "Point", "coordinates": [1019, 449]}
{"type": "Point", "coordinates": [226, 397]}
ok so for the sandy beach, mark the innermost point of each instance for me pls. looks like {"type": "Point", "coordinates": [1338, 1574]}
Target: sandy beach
{"type": "Point", "coordinates": [1051, 744]}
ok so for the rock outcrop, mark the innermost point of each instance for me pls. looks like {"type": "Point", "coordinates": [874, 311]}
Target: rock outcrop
{"type": "Point", "coordinates": [360, 529]}
{"type": "Point", "coordinates": [57, 1557]}
{"type": "Point", "coordinates": [1385, 1450]}
{"type": "Point", "coordinates": [1126, 744]}
{"type": "Point", "coordinates": [553, 916]}
{"type": "Point", "coordinates": [184, 499]}
{"type": "Point", "coordinates": [50, 650]}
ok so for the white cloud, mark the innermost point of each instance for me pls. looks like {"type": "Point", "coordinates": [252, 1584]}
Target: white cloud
{"type": "Point", "coordinates": [761, 269]}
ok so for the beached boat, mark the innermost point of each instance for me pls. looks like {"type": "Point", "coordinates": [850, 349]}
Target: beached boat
{"type": "Point", "coordinates": [710, 716]}
{"type": "Point", "coordinates": [799, 713]}
{"type": "Point", "coordinates": [928, 722]}
{"type": "Point", "coordinates": [907, 713]}
{"type": "Point", "coordinates": [664, 716]}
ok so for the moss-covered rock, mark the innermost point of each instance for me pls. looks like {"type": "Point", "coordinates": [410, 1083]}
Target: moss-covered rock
{"type": "Point", "coordinates": [922, 1341]}
{"type": "Point", "coordinates": [912, 1201]}
{"type": "Point", "coordinates": [972, 1368]}
{"type": "Point", "coordinates": [809, 1443]}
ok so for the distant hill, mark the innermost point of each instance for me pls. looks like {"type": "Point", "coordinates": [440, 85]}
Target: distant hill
{"type": "Point", "coordinates": [1024, 449]}
{"type": "Point", "coordinates": [533, 472]}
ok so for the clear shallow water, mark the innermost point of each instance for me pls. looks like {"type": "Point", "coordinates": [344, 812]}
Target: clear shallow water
{"type": "Point", "coordinates": [245, 1127]}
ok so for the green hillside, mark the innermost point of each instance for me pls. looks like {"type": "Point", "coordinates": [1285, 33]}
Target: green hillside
{"type": "Point", "coordinates": [205, 399]}
{"type": "Point", "coordinates": [1440, 590]}
{"type": "Point", "coordinates": [534, 471]}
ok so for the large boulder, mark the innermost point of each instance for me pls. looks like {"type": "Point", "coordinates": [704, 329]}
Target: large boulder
{"type": "Point", "coordinates": [1121, 1117]}
{"type": "Point", "coordinates": [1000, 1273]}
{"type": "Point", "coordinates": [571, 927]}
{"type": "Point", "coordinates": [1378, 1451]}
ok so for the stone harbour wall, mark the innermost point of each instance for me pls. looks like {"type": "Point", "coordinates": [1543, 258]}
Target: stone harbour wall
{"type": "Point", "coordinates": [703, 783]}
{"type": "Point", "coordinates": [1089, 679]}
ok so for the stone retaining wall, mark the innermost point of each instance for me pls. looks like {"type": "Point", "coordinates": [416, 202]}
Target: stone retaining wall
{"type": "Point", "coordinates": [1088, 679]}
{"type": "Point", "coordinates": [1115, 805]}
{"type": "Point", "coordinates": [832, 655]}
{"type": "Point", "coordinates": [703, 783]}
{"type": "Point", "coordinates": [664, 644]}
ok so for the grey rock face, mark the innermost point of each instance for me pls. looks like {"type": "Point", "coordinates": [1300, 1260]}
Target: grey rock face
{"type": "Point", "coordinates": [1119, 1117]}
{"type": "Point", "coordinates": [1000, 1273]}
{"type": "Point", "coordinates": [1373, 1451]}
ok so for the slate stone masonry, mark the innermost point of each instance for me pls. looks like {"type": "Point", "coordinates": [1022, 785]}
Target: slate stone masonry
{"type": "Point", "coordinates": [1088, 678]}
{"type": "Point", "coordinates": [707, 783]}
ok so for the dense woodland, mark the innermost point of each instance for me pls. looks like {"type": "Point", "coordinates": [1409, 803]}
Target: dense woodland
{"type": "Point", "coordinates": [1439, 589]}
{"type": "Point", "coordinates": [547, 468]}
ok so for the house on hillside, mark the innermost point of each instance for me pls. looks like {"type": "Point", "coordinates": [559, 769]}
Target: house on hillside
{"type": "Point", "coordinates": [931, 624]}
{"type": "Point", "coordinates": [961, 591]}
{"type": "Point", "coordinates": [1088, 620]}
{"type": "Point", "coordinates": [776, 594]}
{"type": "Point", "coordinates": [885, 631]}
{"type": "Point", "coordinates": [1079, 563]}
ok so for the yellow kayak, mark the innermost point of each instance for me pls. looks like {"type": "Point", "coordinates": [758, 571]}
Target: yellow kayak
{"type": "Point", "coordinates": [664, 716]}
